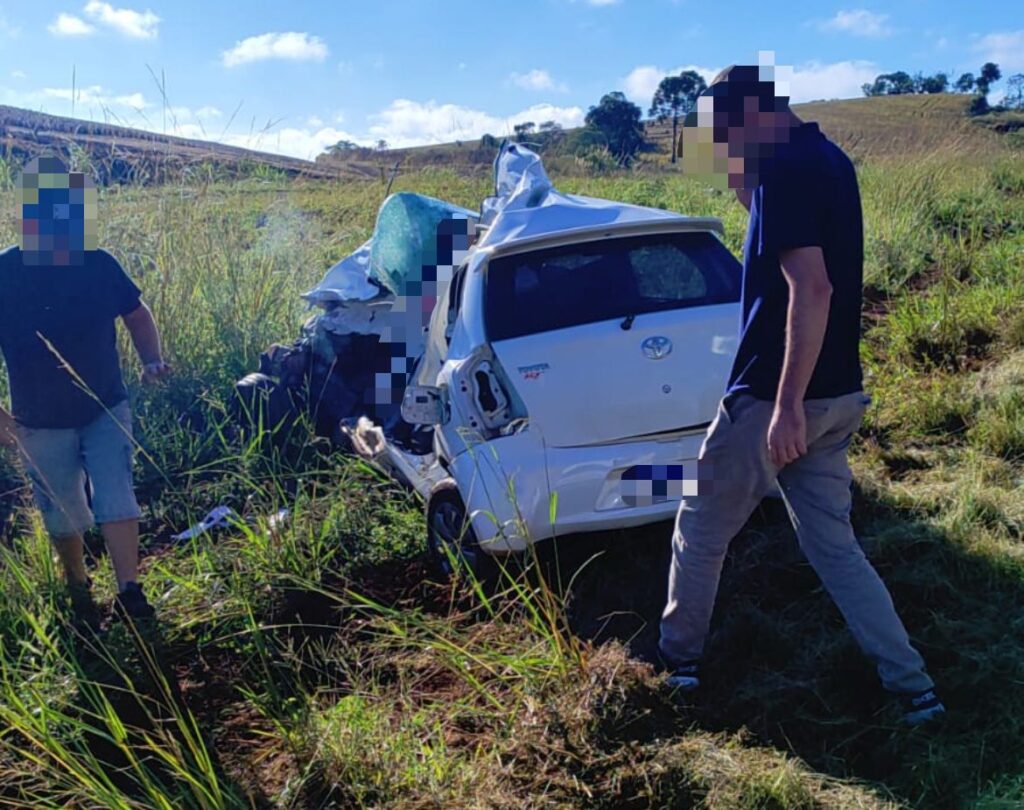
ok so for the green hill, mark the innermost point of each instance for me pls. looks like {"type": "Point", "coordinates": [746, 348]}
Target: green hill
{"type": "Point", "coordinates": [884, 126]}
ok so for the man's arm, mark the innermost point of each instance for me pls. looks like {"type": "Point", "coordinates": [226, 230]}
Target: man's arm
{"type": "Point", "coordinates": [146, 338]}
{"type": "Point", "coordinates": [810, 293]}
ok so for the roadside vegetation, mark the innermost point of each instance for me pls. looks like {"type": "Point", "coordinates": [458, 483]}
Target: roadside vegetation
{"type": "Point", "coordinates": [314, 663]}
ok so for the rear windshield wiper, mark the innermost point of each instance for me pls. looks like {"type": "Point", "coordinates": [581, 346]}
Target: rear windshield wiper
{"type": "Point", "coordinates": [628, 323]}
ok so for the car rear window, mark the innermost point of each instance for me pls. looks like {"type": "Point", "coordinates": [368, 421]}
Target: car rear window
{"type": "Point", "coordinates": [596, 281]}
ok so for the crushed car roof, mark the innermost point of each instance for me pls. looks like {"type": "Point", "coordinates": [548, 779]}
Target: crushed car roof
{"type": "Point", "coordinates": [526, 205]}
{"type": "Point", "coordinates": [525, 208]}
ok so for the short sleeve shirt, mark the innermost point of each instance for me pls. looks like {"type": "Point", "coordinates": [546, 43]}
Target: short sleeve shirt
{"type": "Point", "coordinates": [808, 197]}
{"type": "Point", "coordinates": [59, 340]}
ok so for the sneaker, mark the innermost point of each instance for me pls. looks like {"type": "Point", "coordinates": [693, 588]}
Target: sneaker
{"type": "Point", "coordinates": [921, 707]}
{"type": "Point", "coordinates": [131, 603]}
{"type": "Point", "coordinates": [685, 677]}
{"type": "Point", "coordinates": [84, 611]}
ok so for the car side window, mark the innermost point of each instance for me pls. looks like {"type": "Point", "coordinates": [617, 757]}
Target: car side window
{"type": "Point", "coordinates": [665, 273]}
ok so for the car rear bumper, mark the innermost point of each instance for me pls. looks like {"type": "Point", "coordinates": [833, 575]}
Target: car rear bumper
{"type": "Point", "coordinates": [519, 491]}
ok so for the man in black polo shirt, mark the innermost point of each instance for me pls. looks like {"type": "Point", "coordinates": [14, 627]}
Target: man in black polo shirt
{"type": "Point", "coordinates": [60, 299]}
{"type": "Point", "coordinates": [794, 397]}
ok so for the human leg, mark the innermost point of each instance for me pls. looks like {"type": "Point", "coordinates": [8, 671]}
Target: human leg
{"type": "Point", "coordinates": [108, 449]}
{"type": "Point", "coordinates": [734, 457]}
{"type": "Point", "coordinates": [816, 489]}
{"type": "Point", "coordinates": [53, 462]}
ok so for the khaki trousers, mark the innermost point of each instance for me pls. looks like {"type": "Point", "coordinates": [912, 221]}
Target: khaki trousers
{"type": "Point", "coordinates": [816, 490]}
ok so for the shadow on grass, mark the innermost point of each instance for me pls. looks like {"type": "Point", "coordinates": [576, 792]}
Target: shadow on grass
{"type": "Point", "coordinates": [781, 663]}
{"type": "Point", "coordinates": [132, 667]}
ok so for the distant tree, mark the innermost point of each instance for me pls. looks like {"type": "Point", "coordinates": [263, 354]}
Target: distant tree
{"type": "Point", "coordinates": [939, 83]}
{"type": "Point", "coordinates": [583, 140]}
{"type": "Point", "coordinates": [524, 130]}
{"type": "Point", "coordinates": [890, 84]}
{"type": "Point", "coordinates": [382, 145]}
{"type": "Point", "coordinates": [488, 141]}
{"type": "Point", "coordinates": [619, 121]}
{"type": "Point", "coordinates": [675, 97]}
{"type": "Point", "coordinates": [550, 134]}
{"type": "Point", "coordinates": [989, 73]}
{"type": "Point", "coordinates": [341, 147]}
{"type": "Point", "coordinates": [965, 84]}
{"type": "Point", "coordinates": [900, 83]}
{"type": "Point", "coordinates": [1014, 99]}
{"type": "Point", "coordinates": [978, 105]}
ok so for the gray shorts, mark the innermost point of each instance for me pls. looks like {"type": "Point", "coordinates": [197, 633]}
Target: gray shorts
{"type": "Point", "coordinates": [67, 466]}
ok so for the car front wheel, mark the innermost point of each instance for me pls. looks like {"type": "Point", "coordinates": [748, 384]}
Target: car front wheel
{"type": "Point", "coordinates": [454, 548]}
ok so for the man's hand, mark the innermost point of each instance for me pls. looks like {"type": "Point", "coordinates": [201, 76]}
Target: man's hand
{"type": "Point", "coordinates": [154, 372]}
{"type": "Point", "coordinates": [787, 435]}
{"type": "Point", "coordinates": [146, 338]}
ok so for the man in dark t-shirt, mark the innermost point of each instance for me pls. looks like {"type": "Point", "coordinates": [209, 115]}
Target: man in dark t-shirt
{"type": "Point", "coordinates": [794, 397]}
{"type": "Point", "coordinates": [60, 298]}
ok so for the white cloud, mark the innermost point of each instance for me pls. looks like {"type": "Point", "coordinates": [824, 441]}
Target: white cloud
{"type": "Point", "coordinates": [603, 2]}
{"type": "Point", "coordinates": [208, 112]}
{"type": "Point", "coordinates": [95, 96]}
{"type": "Point", "coordinates": [814, 80]}
{"type": "Point", "coordinates": [1005, 48]}
{"type": "Point", "coordinates": [19, 74]}
{"type": "Point", "coordinates": [68, 25]}
{"type": "Point", "coordinates": [412, 123]}
{"type": "Point", "coordinates": [537, 80]}
{"type": "Point", "coordinates": [304, 143]}
{"type": "Point", "coordinates": [642, 82]}
{"type": "Point", "coordinates": [291, 45]}
{"type": "Point", "coordinates": [859, 22]}
{"type": "Point", "coordinates": [7, 29]}
{"type": "Point", "coordinates": [126, 21]}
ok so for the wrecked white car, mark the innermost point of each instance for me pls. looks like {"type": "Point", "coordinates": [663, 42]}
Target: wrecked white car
{"type": "Point", "coordinates": [574, 357]}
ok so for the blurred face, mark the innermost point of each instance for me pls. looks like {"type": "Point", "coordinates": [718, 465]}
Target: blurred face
{"type": "Point", "coordinates": [728, 136]}
{"type": "Point", "coordinates": [58, 213]}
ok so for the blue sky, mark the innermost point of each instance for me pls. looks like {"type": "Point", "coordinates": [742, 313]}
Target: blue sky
{"type": "Point", "coordinates": [295, 76]}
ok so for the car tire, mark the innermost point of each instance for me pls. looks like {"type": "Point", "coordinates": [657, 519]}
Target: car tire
{"type": "Point", "coordinates": [449, 527]}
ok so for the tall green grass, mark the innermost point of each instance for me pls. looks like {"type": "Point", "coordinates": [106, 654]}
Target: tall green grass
{"type": "Point", "coordinates": [314, 662]}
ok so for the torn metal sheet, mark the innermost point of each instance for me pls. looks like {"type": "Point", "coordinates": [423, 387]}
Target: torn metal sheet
{"type": "Point", "coordinates": [348, 280]}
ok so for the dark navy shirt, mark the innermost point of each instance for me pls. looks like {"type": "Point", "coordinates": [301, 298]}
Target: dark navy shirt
{"type": "Point", "coordinates": [74, 309]}
{"type": "Point", "coordinates": [808, 197]}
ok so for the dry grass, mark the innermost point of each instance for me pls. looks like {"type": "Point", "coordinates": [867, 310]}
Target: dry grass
{"type": "Point", "coordinates": [321, 667]}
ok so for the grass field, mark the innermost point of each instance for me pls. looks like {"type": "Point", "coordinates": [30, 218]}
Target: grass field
{"type": "Point", "coordinates": [316, 665]}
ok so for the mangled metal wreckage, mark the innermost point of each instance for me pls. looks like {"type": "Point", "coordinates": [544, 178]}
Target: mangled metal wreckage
{"type": "Point", "coordinates": [544, 366]}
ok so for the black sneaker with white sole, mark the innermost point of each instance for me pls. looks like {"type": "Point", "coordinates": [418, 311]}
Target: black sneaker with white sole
{"type": "Point", "coordinates": [921, 707]}
{"type": "Point", "coordinates": [131, 603]}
